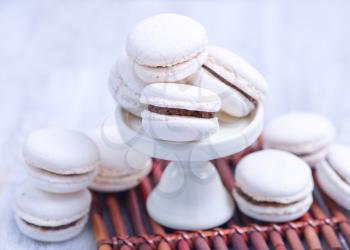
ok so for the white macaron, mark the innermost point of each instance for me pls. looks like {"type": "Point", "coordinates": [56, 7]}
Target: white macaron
{"type": "Point", "coordinates": [121, 167]}
{"type": "Point", "coordinates": [240, 86]}
{"type": "Point", "coordinates": [167, 47]}
{"type": "Point", "coordinates": [60, 160]}
{"type": "Point", "coordinates": [333, 174]}
{"type": "Point", "coordinates": [125, 86]}
{"type": "Point", "coordinates": [179, 112]}
{"type": "Point", "coordinates": [307, 135]}
{"type": "Point", "coordinates": [273, 186]}
{"type": "Point", "coordinates": [51, 217]}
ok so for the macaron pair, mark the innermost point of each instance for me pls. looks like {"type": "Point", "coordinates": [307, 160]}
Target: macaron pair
{"type": "Point", "coordinates": [240, 86]}
{"type": "Point", "coordinates": [333, 175]}
{"type": "Point", "coordinates": [306, 135]}
{"type": "Point", "coordinates": [167, 47]}
{"type": "Point", "coordinates": [60, 160]}
{"type": "Point", "coordinates": [179, 112]}
{"type": "Point", "coordinates": [273, 186]}
{"type": "Point", "coordinates": [51, 217]}
{"type": "Point", "coordinates": [121, 167]}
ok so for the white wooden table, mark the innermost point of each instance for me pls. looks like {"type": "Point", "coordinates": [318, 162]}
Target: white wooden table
{"type": "Point", "coordinates": [55, 57]}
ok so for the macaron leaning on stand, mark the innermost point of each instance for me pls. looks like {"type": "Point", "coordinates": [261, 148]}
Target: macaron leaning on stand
{"type": "Point", "coordinates": [60, 160]}
{"type": "Point", "coordinates": [179, 112]}
{"type": "Point", "coordinates": [306, 135]}
{"type": "Point", "coordinates": [121, 167]}
{"type": "Point", "coordinates": [240, 86]}
{"type": "Point", "coordinates": [333, 174]}
{"type": "Point", "coordinates": [273, 186]}
{"type": "Point", "coordinates": [167, 47]}
{"type": "Point", "coordinates": [125, 86]}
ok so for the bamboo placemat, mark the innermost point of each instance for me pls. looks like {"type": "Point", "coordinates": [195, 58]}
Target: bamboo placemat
{"type": "Point", "coordinates": [324, 223]}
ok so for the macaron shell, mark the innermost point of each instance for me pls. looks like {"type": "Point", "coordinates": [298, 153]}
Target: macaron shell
{"type": "Point", "coordinates": [125, 87]}
{"type": "Point", "coordinates": [274, 214]}
{"type": "Point", "coordinates": [237, 71]}
{"type": "Point", "coordinates": [266, 176]}
{"type": "Point", "coordinates": [177, 128]}
{"type": "Point", "coordinates": [108, 183]}
{"type": "Point", "coordinates": [232, 102]}
{"type": "Point", "coordinates": [50, 209]}
{"type": "Point", "coordinates": [299, 132]}
{"type": "Point", "coordinates": [61, 151]}
{"type": "Point", "coordinates": [51, 235]}
{"type": "Point", "coordinates": [117, 158]}
{"type": "Point", "coordinates": [315, 158]}
{"type": "Point", "coordinates": [333, 185]}
{"type": "Point", "coordinates": [339, 158]}
{"type": "Point", "coordinates": [174, 73]}
{"type": "Point", "coordinates": [182, 96]}
{"type": "Point", "coordinates": [165, 40]}
{"type": "Point", "coordinates": [60, 183]}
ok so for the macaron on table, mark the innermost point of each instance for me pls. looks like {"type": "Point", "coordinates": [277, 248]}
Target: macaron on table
{"type": "Point", "coordinates": [186, 162]}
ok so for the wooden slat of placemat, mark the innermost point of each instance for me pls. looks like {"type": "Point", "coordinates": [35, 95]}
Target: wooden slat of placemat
{"type": "Point", "coordinates": [313, 225]}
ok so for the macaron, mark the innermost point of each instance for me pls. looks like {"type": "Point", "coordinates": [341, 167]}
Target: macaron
{"type": "Point", "coordinates": [306, 135]}
{"type": "Point", "coordinates": [121, 167]}
{"type": "Point", "coordinates": [51, 217]}
{"type": "Point", "coordinates": [125, 86]}
{"type": "Point", "coordinates": [179, 112]}
{"type": "Point", "coordinates": [60, 160]}
{"type": "Point", "coordinates": [333, 174]}
{"type": "Point", "coordinates": [240, 86]}
{"type": "Point", "coordinates": [273, 186]}
{"type": "Point", "coordinates": [167, 47]}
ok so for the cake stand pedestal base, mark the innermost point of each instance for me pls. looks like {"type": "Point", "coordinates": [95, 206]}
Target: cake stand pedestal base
{"type": "Point", "coordinates": [190, 196]}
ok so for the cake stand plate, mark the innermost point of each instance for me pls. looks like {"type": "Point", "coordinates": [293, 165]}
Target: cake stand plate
{"type": "Point", "coordinates": [190, 194]}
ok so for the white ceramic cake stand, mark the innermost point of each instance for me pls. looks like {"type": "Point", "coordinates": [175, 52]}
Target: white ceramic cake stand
{"type": "Point", "coordinates": [190, 194]}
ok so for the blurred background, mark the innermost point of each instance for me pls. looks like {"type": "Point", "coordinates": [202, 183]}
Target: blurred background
{"type": "Point", "coordinates": [55, 58]}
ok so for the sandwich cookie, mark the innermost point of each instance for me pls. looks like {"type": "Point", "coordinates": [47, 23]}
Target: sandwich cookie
{"type": "Point", "coordinates": [306, 135]}
{"type": "Point", "coordinates": [51, 217]}
{"type": "Point", "coordinates": [121, 167]}
{"type": "Point", "coordinates": [179, 112]}
{"type": "Point", "coordinates": [125, 86]}
{"type": "Point", "coordinates": [273, 186]}
{"type": "Point", "coordinates": [167, 47]}
{"type": "Point", "coordinates": [240, 86]}
{"type": "Point", "coordinates": [333, 175]}
{"type": "Point", "coordinates": [60, 160]}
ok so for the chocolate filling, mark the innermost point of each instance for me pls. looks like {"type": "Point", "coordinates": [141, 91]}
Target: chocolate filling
{"type": "Point", "coordinates": [262, 203]}
{"type": "Point", "coordinates": [212, 72]}
{"type": "Point", "coordinates": [46, 228]}
{"type": "Point", "coordinates": [180, 112]}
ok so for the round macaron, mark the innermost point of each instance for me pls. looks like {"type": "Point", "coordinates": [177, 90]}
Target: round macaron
{"type": "Point", "coordinates": [125, 86]}
{"type": "Point", "coordinates": [179, 112]}
{"type": "Point", "coordinates": [240, 86]}
{"type": "Point", "coordinates": [121, 167]}
{"type": "Point", "coordinates": [51, 217]}
{"type": "Point", "coordinates": [273, 186]}
{"type": "Point", "coordinates": [333, 175]}
{"type": "Point", "coordinates": [167, 47]}
{"type": "Point", "coordinates": [306, 135]}
{"type": "Point", "coordinates": [60, 160]}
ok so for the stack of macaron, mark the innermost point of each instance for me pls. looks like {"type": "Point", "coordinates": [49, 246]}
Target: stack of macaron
{"type": "Point", "coordinates": [176, 83]}
{"type": "Point", "coordinates": [120, 167]}
{"type": "Point", "coordinates": [306, 135]}
{"type": "Point", "coordinates": [54, 203]}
